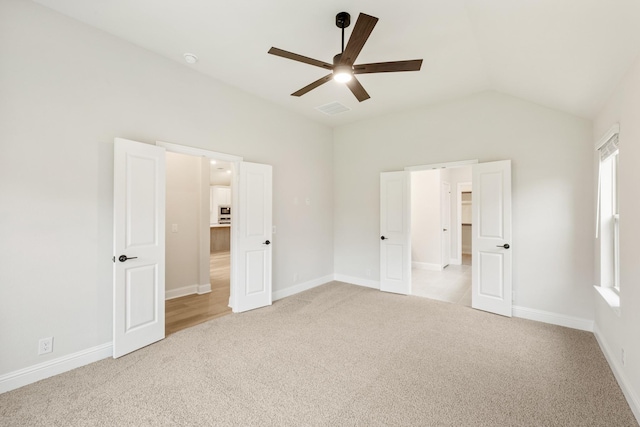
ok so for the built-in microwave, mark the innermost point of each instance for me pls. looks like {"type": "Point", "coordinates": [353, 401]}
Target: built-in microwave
{"type": "Point", "coordinates": [224, 214]}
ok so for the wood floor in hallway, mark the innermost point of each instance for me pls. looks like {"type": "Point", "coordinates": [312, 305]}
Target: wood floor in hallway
{"type": "Point", "coordinates": [184, 312]}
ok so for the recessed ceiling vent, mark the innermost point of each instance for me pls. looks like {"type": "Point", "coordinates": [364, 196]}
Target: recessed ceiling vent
{"type": "Point", "coordinates": [333, 108]}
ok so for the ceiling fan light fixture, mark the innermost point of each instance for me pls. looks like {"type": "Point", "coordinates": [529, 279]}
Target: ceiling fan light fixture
{"type": "Point", "coordinates": [342, 73]}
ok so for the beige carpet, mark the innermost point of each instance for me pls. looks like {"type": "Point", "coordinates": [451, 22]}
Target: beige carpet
{"type": "Point", "coordinates": [341, 355]}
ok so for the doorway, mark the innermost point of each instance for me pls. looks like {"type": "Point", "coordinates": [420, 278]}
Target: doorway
{"type": "Point", "coordinates": [441, 266]}
{"type": "Point", "coordinates": [139, 239]}
{"type": "Point", "coordinates": [197, 240]}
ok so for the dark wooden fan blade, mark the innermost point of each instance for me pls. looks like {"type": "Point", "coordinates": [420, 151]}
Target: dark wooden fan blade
{"type": "Point", "coordinates": [359, 35]}
{"type": "Point", "coordinates": [313, 85]}
{"type": "Point", "coordinates": [388, 67]}
{"type": "Point", "coordinates": [300, 58]}
{"type": "Point", "coordinates": [357, 89]}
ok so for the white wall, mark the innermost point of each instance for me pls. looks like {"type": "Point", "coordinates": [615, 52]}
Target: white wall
{"type": "Point", "coordinates": [551, 155]}
{"type": "Point", "coordinates": [182, 254]}
{"type": "Point", "coordinates": [621, 332]}
{"type": "Point", "coordinates": [67, 91]}
{"type": "Point", "coordinates": [425, 219]}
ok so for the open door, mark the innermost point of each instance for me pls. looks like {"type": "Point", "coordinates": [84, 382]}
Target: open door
{"type": "Point", "coordinates": [491, 267]}
{"type": "Point", "coordinates": [138, 262]}
{"type": "Point", "coordinates": [395, 232]}
{"type": "Point", "coordinates": [253, 253]}
{"type": "Point", "coordinates": [445, 220]}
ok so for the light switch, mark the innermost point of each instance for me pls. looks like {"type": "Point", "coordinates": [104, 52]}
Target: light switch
{"type": "Point", "coordinates": [174, 228]}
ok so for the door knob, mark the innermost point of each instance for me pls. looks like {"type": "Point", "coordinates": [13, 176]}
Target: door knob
{"type": "Point", "coordinates": [383, 238]}
{"type": "Point", "coordinates": [123, 258]}
{"type": "Point", "coordinates": [267, 243]}
{"type": "Point", "coordinates": [506, 246]}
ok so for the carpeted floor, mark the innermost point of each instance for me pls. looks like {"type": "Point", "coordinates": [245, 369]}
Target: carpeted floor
{"type": "Point", "coordinates": [341, 355]}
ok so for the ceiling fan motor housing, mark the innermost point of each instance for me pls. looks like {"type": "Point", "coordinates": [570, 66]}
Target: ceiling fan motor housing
{"type": "Point", "coordinates": [343, 20]}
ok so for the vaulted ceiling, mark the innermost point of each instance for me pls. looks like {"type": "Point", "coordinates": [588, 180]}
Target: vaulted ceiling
{"type": "Point", "coordinates": [564, 54]}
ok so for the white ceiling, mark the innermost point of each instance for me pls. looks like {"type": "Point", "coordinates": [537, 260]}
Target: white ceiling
{"type": "Point", "coordinates": [564, 54]}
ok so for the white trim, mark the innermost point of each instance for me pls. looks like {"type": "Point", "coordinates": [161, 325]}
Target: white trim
{"type": "Point", "coordinates": [181, 292]}
{"type": "Point", "coordinates": [301, 287]}
{"type": "Point", "coordinates": [607, 136]}
{"type": "Point", "coordinates": [553, 318]}
{"type": "Point", "coordinates": [198, 152]}
{"type": "Point", "coordinates": [460, 188]}
{"type": "Point", "coordinates": [611, 297]}
{"type": "Point", "coordinates": [619, 373]}
{"type": "Point", "coordinates": [426, 266]}
{"type": "Point", "coordinates": [187, 290]}
{"type": "Point", "coordinates": [440, 165]}
{"type": "Point", "coordinates": [367, 283]}
{"type": "Point", "coordinates": [31, 374]}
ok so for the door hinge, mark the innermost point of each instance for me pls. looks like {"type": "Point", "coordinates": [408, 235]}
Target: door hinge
{"type": "Point", "coordinates": [113, 259]}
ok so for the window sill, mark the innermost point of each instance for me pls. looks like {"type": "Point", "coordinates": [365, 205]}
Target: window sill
{"type": "Point", "coordinates": [611, 297]}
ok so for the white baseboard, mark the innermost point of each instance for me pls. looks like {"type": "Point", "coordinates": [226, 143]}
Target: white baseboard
{"type": "Point", "coordinates": [426, 266]}
{"type": "Point", "coordinates": [22, 377]}
{"type": "Point", "coordinates": [618, 371]}
{"type": "Point", "coordinates": [204, 289]}
{"type": "Point", "coordinates": [301, 287]}
{"type": "Point", "coordinates": [187, 290]}
{"type": "Point", "coordinates": [367, 283]}
{"type": "Point", "coordinates": [553, 318]}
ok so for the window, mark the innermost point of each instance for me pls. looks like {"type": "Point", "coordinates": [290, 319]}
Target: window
{"type": "Point", "coordinates": [615, 220]}
{"type": "Point", "coordinates": [608, 215]}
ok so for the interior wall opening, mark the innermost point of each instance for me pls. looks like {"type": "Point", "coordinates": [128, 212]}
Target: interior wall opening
{"type": "Point", "coordinates": [441, 230]}
{"type": "Point", "coordinates": [198, 240]}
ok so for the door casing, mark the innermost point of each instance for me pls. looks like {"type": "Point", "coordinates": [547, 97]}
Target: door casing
{"type": "Point", "coordinates": [235, 162]}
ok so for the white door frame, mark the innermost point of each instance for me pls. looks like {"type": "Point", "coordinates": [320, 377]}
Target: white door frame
{"type": "Point", "coordinates": [459, 219]}
{"type": "Point", "coordinates": [445, 217]}
{"type": "Point", "coordinates": [462, 188]}
{"type": "Point", "coordinates": [441, 165]}
{"type": "Point", "coordinates": [235, 162]}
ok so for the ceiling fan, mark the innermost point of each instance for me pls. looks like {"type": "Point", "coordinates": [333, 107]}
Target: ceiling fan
{"type": "Point", "coordinates": [343, 68]}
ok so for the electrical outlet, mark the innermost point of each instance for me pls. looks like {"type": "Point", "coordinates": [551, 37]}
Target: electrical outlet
{"type": "Point", "coordinates": [174, 228]}
{"type": "Point", "coordinates": [45, 345]}
{"type": "Point", "coordinates": [368, 272]}
{"type": "Point", "coordinates": [295, 277]}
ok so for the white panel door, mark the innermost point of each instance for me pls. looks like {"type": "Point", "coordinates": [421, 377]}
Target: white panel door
{"type": "Point", "coordinates": [445, 206]}
{"type": "Point", "coordinates": [395, 232]}
{"type": "Point", "coordinates": [138, 262]}
{"type": "Point", "coordinates": [253, 252]}
{"type": "Point", "coordinates": [491, 254]}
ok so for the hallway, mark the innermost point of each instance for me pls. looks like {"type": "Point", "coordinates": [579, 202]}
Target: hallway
{"type": "Point", "coordinates": [453, 284]}
{"type": "Point", "coordinates": [190, 310]}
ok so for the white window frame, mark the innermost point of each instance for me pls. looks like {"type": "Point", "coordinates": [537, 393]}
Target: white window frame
{"type": "Point", "coordinates": [608, 218]}
{"type": "Point", "coordinates": [615, 221]}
